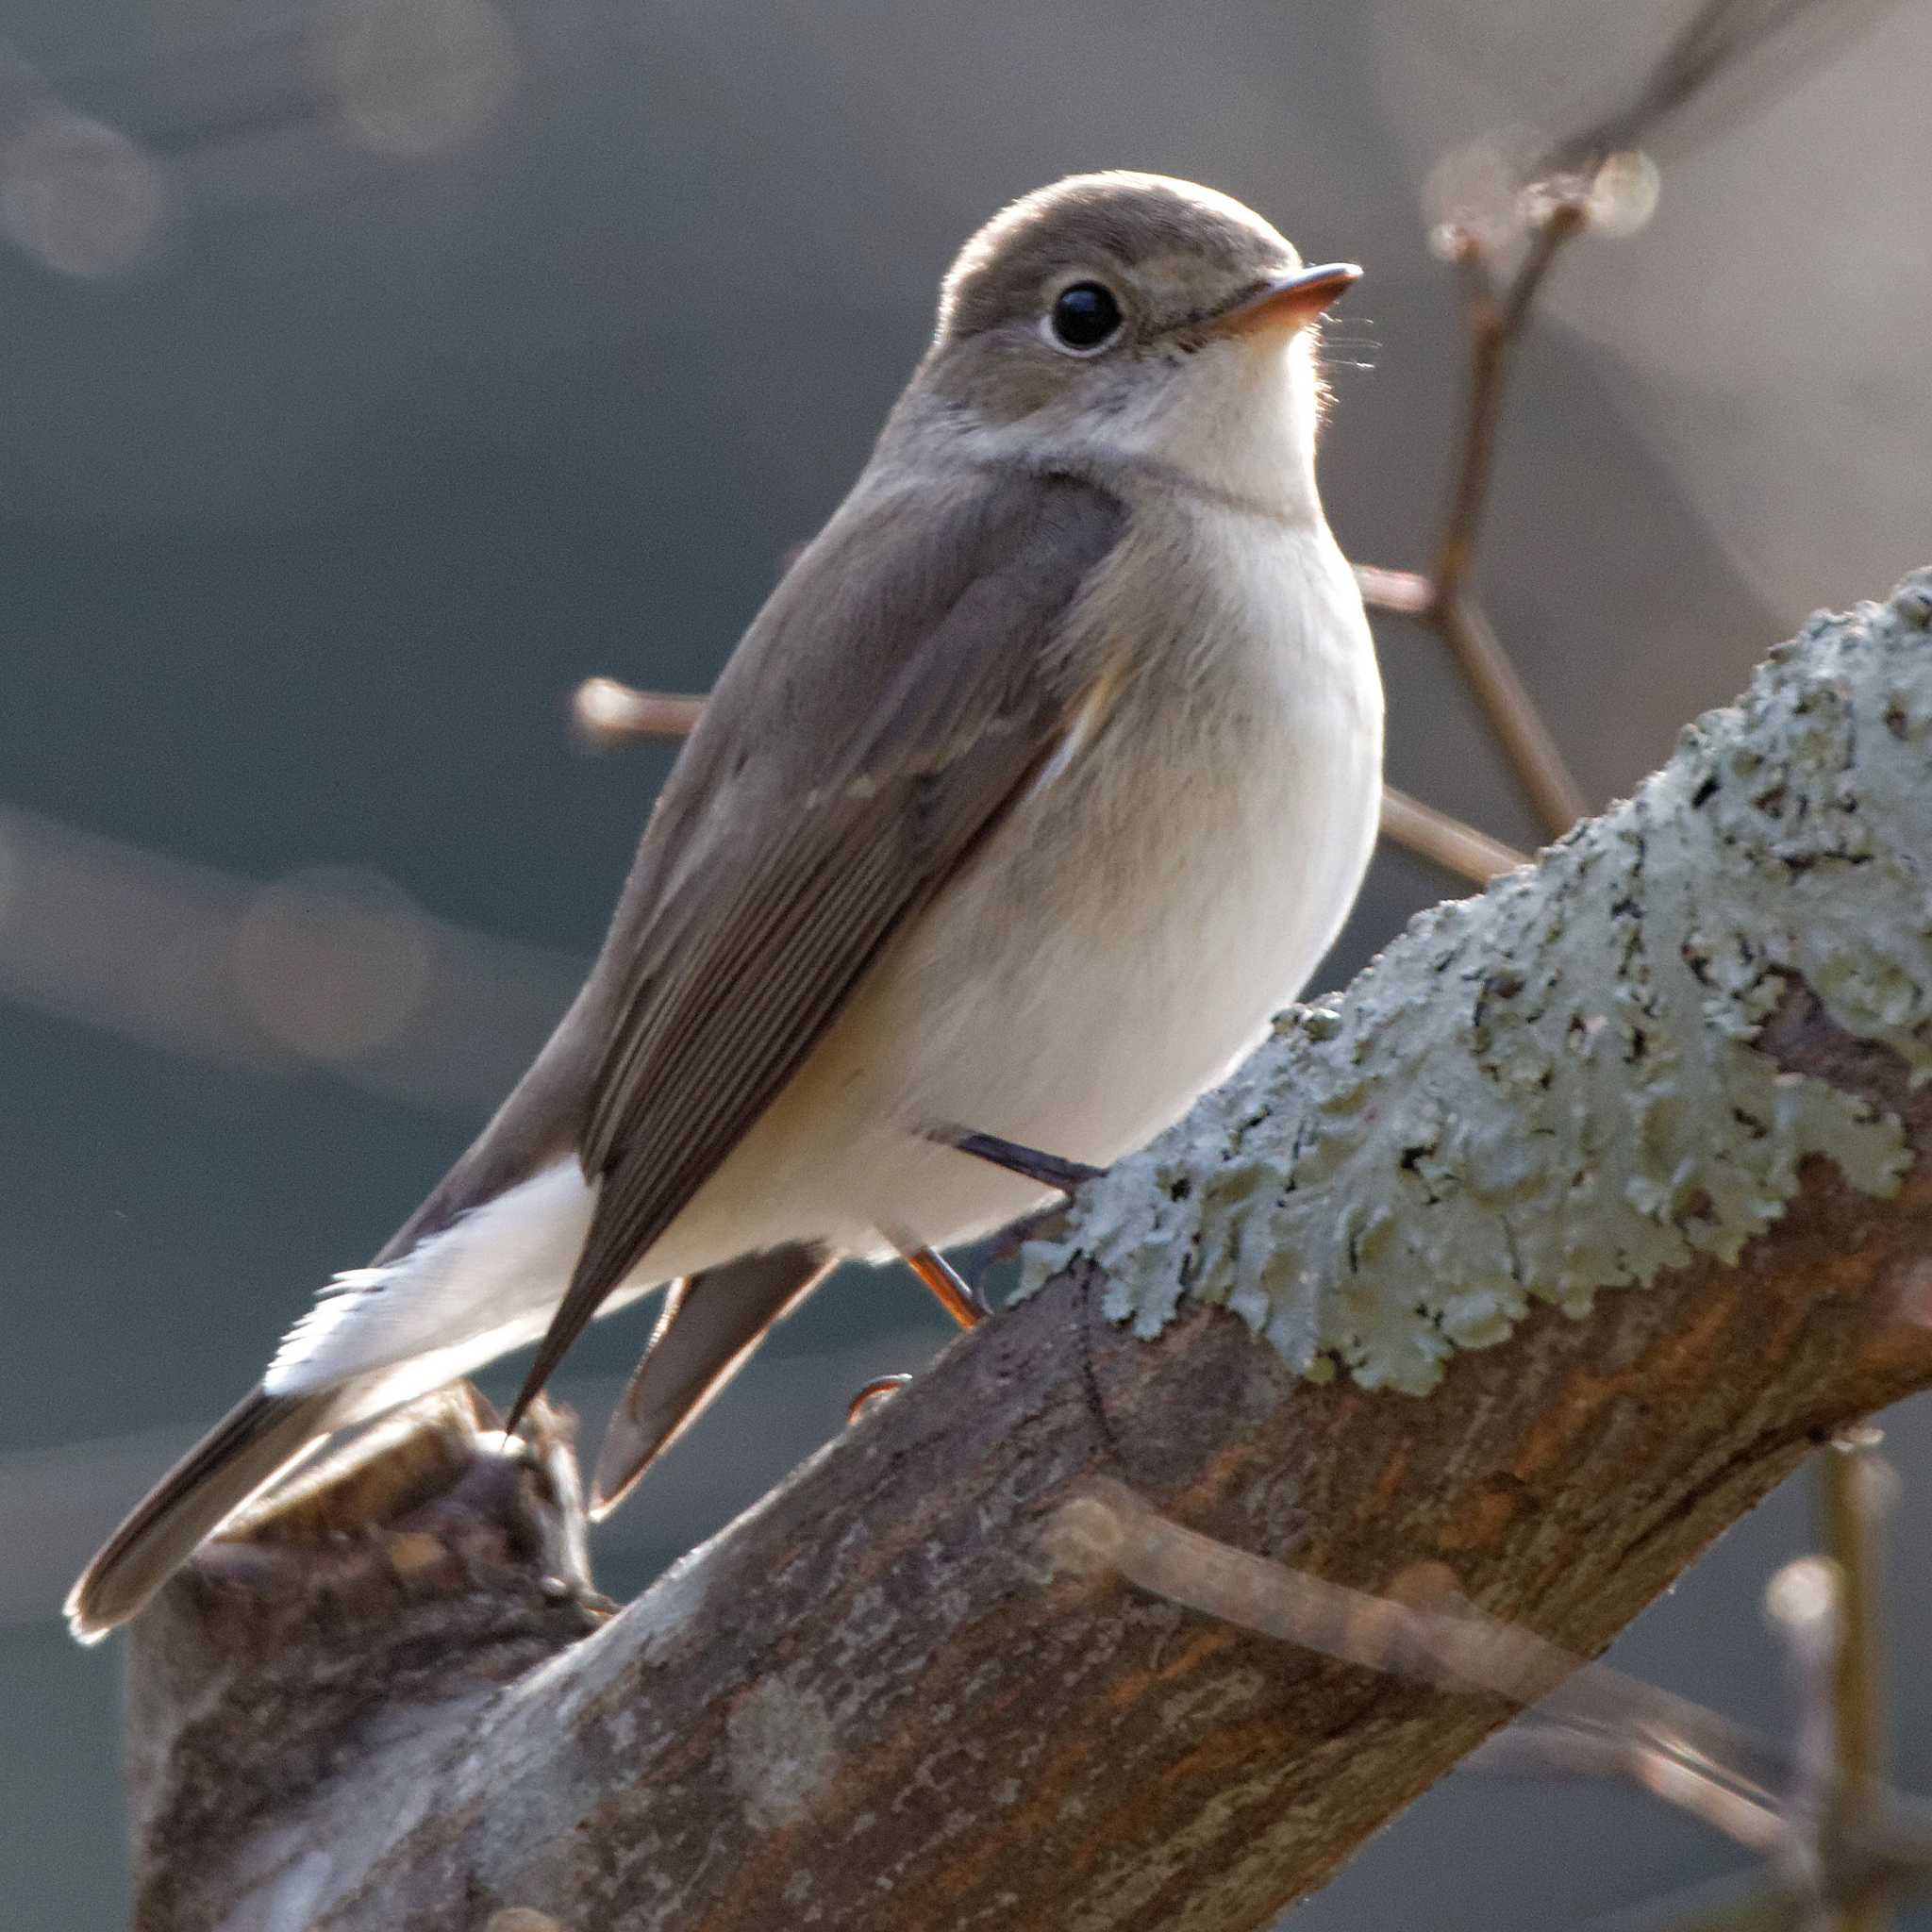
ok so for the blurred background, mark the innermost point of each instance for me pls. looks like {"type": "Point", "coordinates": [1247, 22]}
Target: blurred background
{"type": "Point", "coordinates": [376, 371]}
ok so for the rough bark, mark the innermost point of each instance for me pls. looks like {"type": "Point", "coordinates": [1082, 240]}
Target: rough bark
{"type": "Point", "coordinates": [871, 1703]}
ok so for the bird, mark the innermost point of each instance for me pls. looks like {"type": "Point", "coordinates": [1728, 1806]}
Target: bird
{"type": "Point", "coordinates": [1041, 781]}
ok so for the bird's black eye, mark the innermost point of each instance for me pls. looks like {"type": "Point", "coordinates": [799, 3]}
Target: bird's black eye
{"type": "Point", "coordinates": [1085, 317]}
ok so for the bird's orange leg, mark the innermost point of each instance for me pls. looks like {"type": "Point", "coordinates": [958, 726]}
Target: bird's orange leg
{"type": "Point", "coordinates": [948, 1286]}
{"type": "Point", "coordinates": [952, 1293]}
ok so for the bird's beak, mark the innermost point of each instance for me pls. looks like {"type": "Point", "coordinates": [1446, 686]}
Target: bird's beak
{"type": "Point", "coordinates": [1289, 303]}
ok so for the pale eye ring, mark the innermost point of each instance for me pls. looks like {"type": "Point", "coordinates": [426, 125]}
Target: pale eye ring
{"type": "Point", "coordinates": [1085, 318]}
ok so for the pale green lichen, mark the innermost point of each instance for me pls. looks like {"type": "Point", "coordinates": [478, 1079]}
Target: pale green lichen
{"type": "Point", "coordinates": [1554, 1087]}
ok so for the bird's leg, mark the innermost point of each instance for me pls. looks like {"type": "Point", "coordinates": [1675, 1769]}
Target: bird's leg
{"type": "Point", "coordinates": [948, 1287]}
{"type": "Point", "coordinates": [952, 1293]}
{"type": "Point", "coordinates": [1029, 1164]}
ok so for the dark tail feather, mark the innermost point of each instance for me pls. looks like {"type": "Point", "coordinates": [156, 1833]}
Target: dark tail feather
{"type": "Point", "coordinates": [250, 1446]}
{"type": "Point", "coordinates": [711, 1323]}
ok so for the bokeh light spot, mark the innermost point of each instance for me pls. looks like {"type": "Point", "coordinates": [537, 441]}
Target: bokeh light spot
{"type": "Point", "coordinates": [333, 961]}
{"type": "Point", "coordinates": [80, 196]}
{"type": "Point", "coordinates": [1474, 193]}
{"type": "Point", "coordinates": [1624, 196]}
{"type": "Point", "coordinates": [410, 78]}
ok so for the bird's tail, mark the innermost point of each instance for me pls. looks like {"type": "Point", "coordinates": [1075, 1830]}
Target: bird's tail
{"type": "Point", "coordinates": [711, 1324]}
{"type": "Point", "coordinates": [254, 1443]}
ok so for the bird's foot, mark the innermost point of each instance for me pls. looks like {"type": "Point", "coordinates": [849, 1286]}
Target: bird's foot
{"type": "Point", "coordinates": [880, 1389]}
{"type": "Point", "coordinates": [1031, 1163]}
{"type": "Point", "coordinates": [961, 1299]}
{"type": "Point", "coordinates": [950, 1289]}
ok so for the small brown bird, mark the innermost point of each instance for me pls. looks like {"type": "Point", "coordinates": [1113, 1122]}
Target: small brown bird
{"type": "Point", "coordinates": [1044, 777]}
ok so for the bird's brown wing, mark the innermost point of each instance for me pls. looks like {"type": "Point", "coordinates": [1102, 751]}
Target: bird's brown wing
{"type": "Point", "coordinates": [898, 694]}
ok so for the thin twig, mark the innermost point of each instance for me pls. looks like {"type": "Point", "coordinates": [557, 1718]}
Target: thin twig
{"type": "Point", "coordinates": [1587, 1717]}
{"type": "Point", "coordinates": [608, 713]}
{"type": "Point", "coordinates": [1495, 322]}
{"type": "Point", "coordinates": [1718, 37]}
{"type": "Point", "coordinates": [1721, 37]}
{"type": "Point", "coordinates": [1449, 842]}
{"type": "Point", "coordinates": [1425, 1631]}
{"type": "Point", "coordinates": [1407, 592]}
{"type": "Point", "coordinates": [1748, 1817]}
{"type": "Point", "coordinates": [1853, 1481]}
{"type": "Point", "coordinates": [1512, 714]}
{"type": "Point", "coordinates": [1446, 600]}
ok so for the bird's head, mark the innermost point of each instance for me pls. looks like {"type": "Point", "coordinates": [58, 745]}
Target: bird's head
{"type": "Point", "coordinates": [1142, 317]}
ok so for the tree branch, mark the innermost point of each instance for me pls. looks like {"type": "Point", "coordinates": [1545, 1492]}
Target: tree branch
{"type": "Point", "coordinates": [1621, 1169]}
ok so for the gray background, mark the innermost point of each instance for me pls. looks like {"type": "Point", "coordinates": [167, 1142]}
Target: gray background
{"type": "Point", "coordinates": [394, 366]}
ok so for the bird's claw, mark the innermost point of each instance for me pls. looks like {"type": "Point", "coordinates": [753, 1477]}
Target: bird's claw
{"type": "Point", "coordinates": [877, 1389]}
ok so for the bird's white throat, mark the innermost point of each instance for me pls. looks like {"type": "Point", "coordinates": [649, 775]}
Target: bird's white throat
{"type": "Point", "coordinates": [1236, 420]}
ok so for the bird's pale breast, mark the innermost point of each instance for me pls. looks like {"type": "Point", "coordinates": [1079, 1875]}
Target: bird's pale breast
{"type": "Point", "coordinates": [1123, 940]}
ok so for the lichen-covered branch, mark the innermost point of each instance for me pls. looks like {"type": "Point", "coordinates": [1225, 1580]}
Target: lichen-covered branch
{"type": "Point", "coordinates": [1562, 1086]}
{"type": "Point", "coordinates": [1555, 1242]}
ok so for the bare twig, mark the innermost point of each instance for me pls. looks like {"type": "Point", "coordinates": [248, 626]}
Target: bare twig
{"type": "Point", "coordinates": [1844, 1841]}
{"type": "Point", "coordinates": [1457, 847]}
{"type": "Point", "coordinates": [1803, 1601]}
{"type": "Point", "coordinates": [1494, 322]}
{"type": "Point", "coordinates": [1720, 40]}
{"type": "Point", "coordinates": [1426, 1631]}
{"type": "Point", "coordinates": [606, 714]}
{"type": "Point", "coordinates": [1563, 197]}
{"type": "Point", "coordinates": [1406, 593]}
{"type": "Point", "coordinates": [1585, 182]}
{"type": "Point", "coordinates": [1514, 717]}
{"type": "Point", "coordinates": [1532, 1747]}
{"type": "Point", "coordinates": [1854, 1483]}
{"type": "Point", "coordinates": [1445, 601]}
